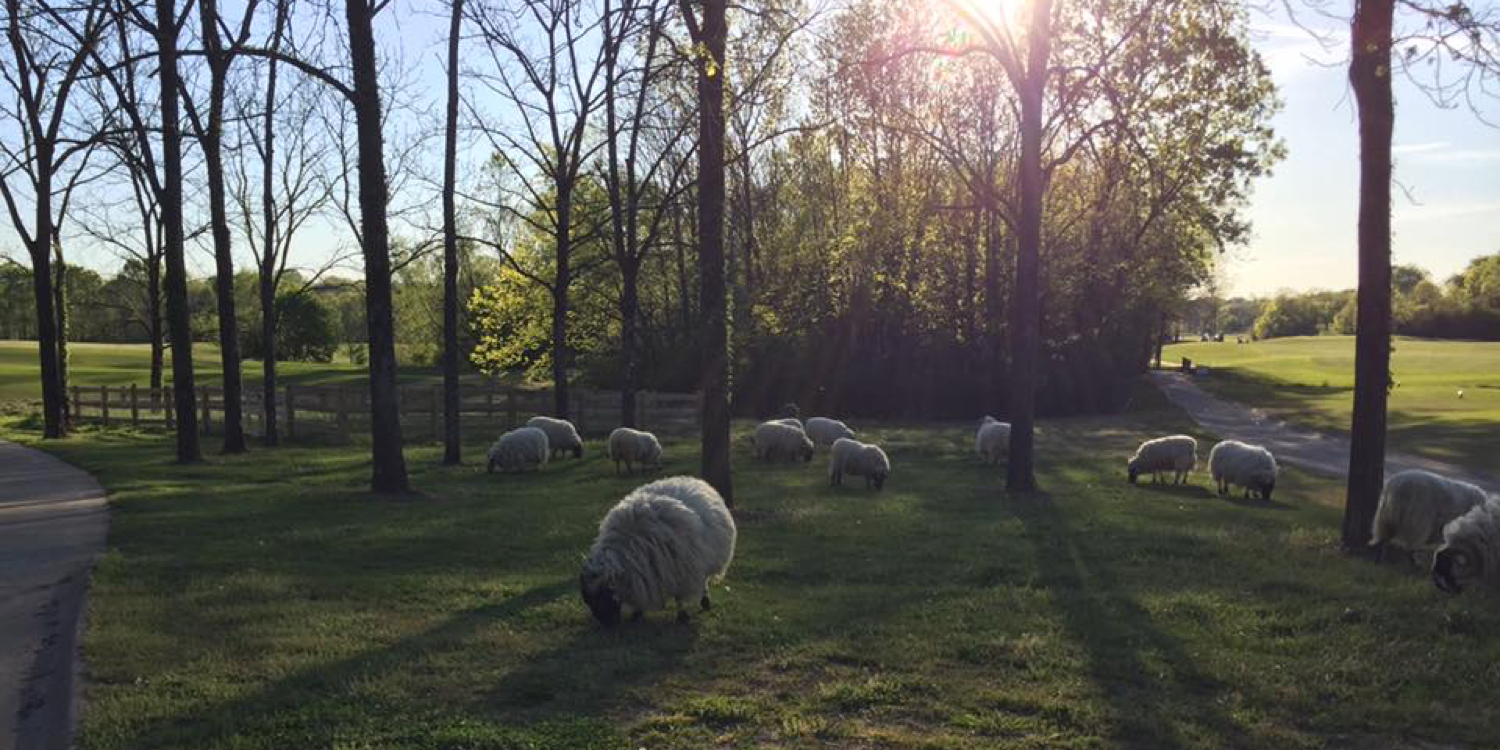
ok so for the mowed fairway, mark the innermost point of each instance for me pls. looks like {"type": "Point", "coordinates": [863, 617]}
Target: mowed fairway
{"type": "Point", "coordinates": [1310, 380]}
{"type": "Point", "coordinates": [123, 364]}
{"type": "Point", "coordinates": [265, 601]}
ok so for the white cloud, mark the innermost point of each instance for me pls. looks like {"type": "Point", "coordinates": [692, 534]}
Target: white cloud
{"type": "Point", "coordinates": [1417, 148]}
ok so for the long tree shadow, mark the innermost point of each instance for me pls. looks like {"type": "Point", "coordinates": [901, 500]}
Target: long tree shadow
{"type": "Point", "coordinates": [1122, 643]}
{"type": "Point", "coordinates": [299, 706]}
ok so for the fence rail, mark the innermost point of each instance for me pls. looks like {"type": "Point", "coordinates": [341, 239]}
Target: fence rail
{"type": "Point", "coordinates": [345, 411]}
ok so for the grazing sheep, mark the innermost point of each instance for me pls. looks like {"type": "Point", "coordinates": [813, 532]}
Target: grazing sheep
{"type": "Point", "coordinates": [790, 422]}
{"type": "Point", "coordinates": [633, 447]}
{"type": "Point", "coordinates": [1175, 453]}
{"type": "Point", "coordinates": [1415, 506]}
{"type": "Point", "coordinates": [518, 449]}
{"type": "Point", "coordinates": [665, 540]}
{"type": "Point", "coordinates": [561, 433]}
{"type": "Point", "coordinates": [824, 431]}
{"type": "Point", "coordinates": [858, 459]}
{"type": "Point", "coordinates": [778, 440]}
{"type": "Point", "coordinates": [1249, 466]}
{"type": "Point", "coordinates": [1470, 550]}
{"type": "Point", "coordinates": [993, 440]}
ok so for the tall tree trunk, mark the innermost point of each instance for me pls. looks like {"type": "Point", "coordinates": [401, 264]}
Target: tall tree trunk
{"type": "Point", "coordinates": [385, 416]}
{"type": "Point", "coordinates": [1370, 77]}
{"type": "Point", "coordinates": [178, 315]}
{"type": "Point", "coordinates": [712, 299]}
{"type": "Point", "coordinates": [54, 424]}
{"type": "Point", "coordinates": [630, 311]}
{"type": "Point", "coordinates": [213, 157]}
{"type": "Point", "coordinates": [60, 301]}
{"type": "Point", "coordinates": [1026, 316]}
{"type": "Point", "coordinates": [563, 280]}
{"type": "Point", "coordinates": [452, 436]}
{"type": "Point", "coordinates": [268, 265]}
{"type": "Point", "coordinates": [154, 326]}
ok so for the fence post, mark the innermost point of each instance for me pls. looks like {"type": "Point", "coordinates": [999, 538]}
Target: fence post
{"type": "Point", "coordinates": [205, 400]}
{"type": "Point", "coordinates": [103, 404]}
{"type": "Point", "coordinates": [135, 406]}
{"type": "Point", "coordinates": [510, 408]}
{"type": "Point", "coordinates": [77, 406]}
{"type": "Point", "coordinates": [167, 404]}
{"type": "Point", "coordinates": [291, 413]}
{"type": "Point", "coordinates": [436, 404]}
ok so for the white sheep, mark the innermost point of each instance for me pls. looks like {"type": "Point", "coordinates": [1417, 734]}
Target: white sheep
{"type": "Point", "coordinates": [790, 422]}
{"type": "Point", "coordinates": [1250, 466]}
{"type": "Point", "coordinates": [1415, 506]}
{"type": "Point", "coordinates": [1470, 549]}
{"type": "Point", "coordinates": [824, 430]}
{"type": "Point", "coordinates": [518, 449]}
{"type": "Point", "coordinates": [992, 441]}
{"type": "Point", "coordinates": [633, 447]}
{"type": "Point", "coordinates": [561, 434]}
{"type": "Point", "coordinates": [858, 459]}
{"type": "Point", "coordinates": [1174, 453]}
{"type": "Point", "coordinates": [777, 440]}
{"type": "Point", "coordinates": [664, 541]}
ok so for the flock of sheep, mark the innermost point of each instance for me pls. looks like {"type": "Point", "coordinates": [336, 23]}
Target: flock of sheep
{"type": "Point", "coordinates": [667, 540]}
{"type": "Point", "coordinates": [1419, 511]}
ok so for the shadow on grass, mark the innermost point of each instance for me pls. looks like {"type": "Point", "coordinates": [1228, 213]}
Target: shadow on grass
{"type": "Point", "coordinates": [575, 681]}
{"type": "Point", "coordinates": [1126, 651]}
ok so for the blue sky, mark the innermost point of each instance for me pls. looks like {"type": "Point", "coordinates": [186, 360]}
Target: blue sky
{"type": "Point", "coordinates": [1304, 214]}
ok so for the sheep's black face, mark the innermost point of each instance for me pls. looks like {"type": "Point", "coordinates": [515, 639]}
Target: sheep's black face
{"type": "Point", "coordinates": [807, 454]}
{"type": "Point", "coordinates": [880, 481]}
{"type": "Point", "coordinates": [577, 451]}
{"type": "Point", "coordinates": [1265, 490]}
{"type": "Point", "coordinates": [1448, 565]}
{"type": "Point", "coordinates": [1133, 475]}
{"type": "Point", "coordinates": [602, 600]}
{"type": "Point", "coordinates": [490, 469]}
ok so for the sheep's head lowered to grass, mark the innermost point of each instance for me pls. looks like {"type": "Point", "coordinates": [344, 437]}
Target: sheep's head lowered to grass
{"type": "Point", "coordinates": [1452, 566]}
{"type": "Point", "coordinates": [599, 593]}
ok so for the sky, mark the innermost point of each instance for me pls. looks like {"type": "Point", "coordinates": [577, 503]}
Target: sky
{"type": "Point", "coordinates": [1304, 214]}
{"type": "Point", "coordinates": [1447, 203]}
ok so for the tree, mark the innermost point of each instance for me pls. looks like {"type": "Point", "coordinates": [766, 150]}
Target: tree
{"type": "Point", "coordinates": [710, 33]}
{"type": "Point", "coordinates": [452, 436]}
{"type": "Point", "coordinates": [45, 70]}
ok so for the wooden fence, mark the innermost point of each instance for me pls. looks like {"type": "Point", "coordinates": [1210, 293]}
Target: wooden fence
{"type": "Point", "coordinates": [306, 410]}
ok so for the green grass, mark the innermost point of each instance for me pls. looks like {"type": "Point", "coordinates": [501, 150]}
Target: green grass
{"type": "Point", "coordinates": [1310, 380]}
{"type": "Point", "coordinates": [123, 364]}
{"type": "Point", "coordinates": [265, 601]}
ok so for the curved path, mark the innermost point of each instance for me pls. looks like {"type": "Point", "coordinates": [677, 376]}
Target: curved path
{"type": "Point", "coordinates": [52, 524]}
{"type": "Point", "coordinates": [1293, 444]}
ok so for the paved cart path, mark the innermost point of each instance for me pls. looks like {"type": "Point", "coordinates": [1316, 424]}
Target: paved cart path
{"type": "Point", "coordinates": [52, 523]}
{"type": "Point", "coordinates": [1293, 444]}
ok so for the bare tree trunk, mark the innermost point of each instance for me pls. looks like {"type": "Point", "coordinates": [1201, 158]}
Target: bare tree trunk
{"type": "Point", "coordinates": [268, 266]}
{"type": "Point", "coordinates": [385, 416]}
{"type": "Point", "coordinates": [1370, 77]}
{"type": "Point", "coordinates": [153, 311]}
{"type": "Point", "coordinates": [630, 311]}
{"type": "Point", "coordinates": [563, 280]}
{"type": "Point", "coordinates": [54, 424]}
{"type": "Point", "coordinates": [714, 383]}
{"type": "Point", "coordinates": [60, 301]}
{"type": "Point", "coordinates": [178, 315]}
{"type": "Point", "coordinates": [452, 437]}
{"type": "Point", "coordinates": [213, 157]}
{"type": "Point", "coordinates": [1026, 316]}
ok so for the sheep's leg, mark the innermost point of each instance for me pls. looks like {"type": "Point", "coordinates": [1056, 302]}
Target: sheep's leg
{"type": "Point", "coordinates": [1380, 551]}
{"type": "Point", "coordinates": [682, 614]}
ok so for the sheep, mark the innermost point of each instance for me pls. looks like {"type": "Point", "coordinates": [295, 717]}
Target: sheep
{"type": "Point", "coordinates": [1415, 506]}
{"type": "Point", "coordinates": [518, 449]}
{"type": "Point", "coordinates": [633, 447]}
{"type": "Point", "coordinates": [1175, 453]}
{"type": "Point", "coordinates": [790, 422]}
{"type": "Point", "coordinates": [777, 440]}
{"type": "Point", "coordinates": [664, 540]}
{"type": "Point", "coordinates": [824, 431]}
{"type": "Point", "coordinates": [1250, 466]}
{"type": "Point", "coordinates": [993, 440]}
{"type": "Point", "coordinates": [1470, 549]}
{"type": "Point", "coordinates": [561, 434]}
{"type": "Point", "coordinates": [858, 459]}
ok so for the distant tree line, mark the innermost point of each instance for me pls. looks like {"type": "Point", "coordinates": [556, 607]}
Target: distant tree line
{"type": "Point", "coordinates": [1465, 306]}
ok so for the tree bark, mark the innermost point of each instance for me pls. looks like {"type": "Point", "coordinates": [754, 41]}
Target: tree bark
{"type": "Point", "coordinates": [213, 158]}
{"type": "Point", "coordinates": [268, 265]}
{"type": "Point", "coordinates": [184, 393]}
{"type": "Point", "coordinates": [563, 280]}
{"type": "Point", "coordinates": [712, 299]}
{"type": "Point", "coordinates": [1020, 473]}
{"type": "Point", "coordinates": [385, 417]}
{"type": "Point", "coordinates": [452, 437]}
{"type": "Point", "coordinates": [153, 311]}
{"type": "Point", "coordinates": [1370, 77]}
{"type": "Point", "coordinates": [630, 311]}
{"type": "Point", "coordinates": [60, 301]}
{"type": "Point", "coordinates": [54, 424]}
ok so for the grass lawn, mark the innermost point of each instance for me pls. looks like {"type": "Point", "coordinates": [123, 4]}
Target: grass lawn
{"type": "Point", "coordinates": [1310, 380]}
{"type": "Point", "coordinates": [123, 364]}
{"type": "Point", "coordinates": [265, 601]}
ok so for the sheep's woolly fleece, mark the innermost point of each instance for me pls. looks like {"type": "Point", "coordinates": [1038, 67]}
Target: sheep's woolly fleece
{"type": "Point", "coordinates": [663, 542]}
{"type": "Point", "coordinates": [1415, 506]}
{"type": "Point", "coordinates": [561, 434]}
{"type": "Point", "coordinates": [518, 449]}
{"type": "Point", "coordinates": [1249, 466]}
{"type": "Point", "coordinates": [1174, 453]}
{"type": "Point", "coordinates": [824, 431]}
{"type": "Point", "coordinates": [1471, 549]}
{"type": "Point", "coordinates": [779, 441]}
{"type": "Point", "coordinates": [992, 441]}
{"type": "Point", "coordinates": [631, 447]}
{"type": "Point", "coordinates": [860, 460]}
